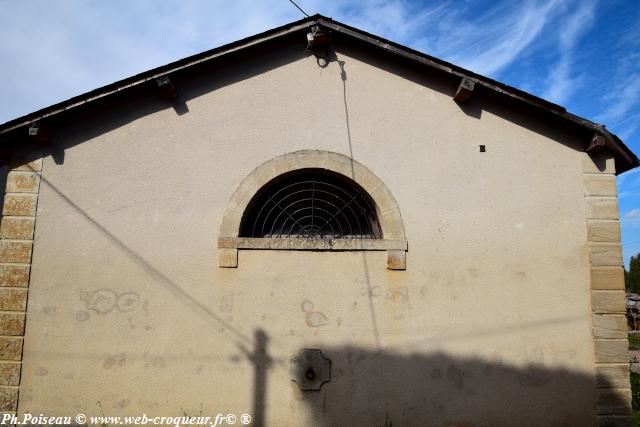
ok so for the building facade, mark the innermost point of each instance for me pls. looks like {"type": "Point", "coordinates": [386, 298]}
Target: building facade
{"type": "Point", "coordinates": [152, 262]}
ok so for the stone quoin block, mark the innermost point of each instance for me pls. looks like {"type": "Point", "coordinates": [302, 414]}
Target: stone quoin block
{"type": "Point", "coordinates": [14, 275]}
{"type": "Point", "coordinates": [614, 401]}
{"type": "Point", "coordinates": [615, 421]}
{"type": "Point", "coordinates": [607, 278]}
{"type": "Point", "coordinates": [605, 254]}
{"type": "Point", "coordinates": [602, 208]}
{"type": "Point", "coordinates": [20, 228]}
{"type": "Point", "coordinates": [12, 324]}
{"type": "Point", "coordinates": [22, 182]}
{"type": "Point", "coordinates": [601, 231]}
{"type": "Point", "coordinates": [13, 299]}
{"type": "Point", "coordinates": [18, 252]}
{"type": "Point", "coordinates": [612, 351]}
{"type": "Point", "coordinates": [608, 302]}
{"type": "Point", "coordinates": [35, 165]}
{"type": "Point", "coordinates": [20, 204]}
{"type": "Point", "coordinates": [613, 376]}
{"type": "Point", "coordinates": [600, 185]}
{"type": "Point", "coordinates": [9, 373]}
{"type": "Point", "coordinates": [600, 163]}
{"type": "Point", "coordinates": [8, 399]}
{"type": "Point", "coordinates": [609, 326]}
{"type": "Point", "coordinates": [11, 348]}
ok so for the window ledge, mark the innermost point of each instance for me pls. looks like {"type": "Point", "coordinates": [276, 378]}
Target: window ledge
{"type": "Point", "coordinates": [228, 247]}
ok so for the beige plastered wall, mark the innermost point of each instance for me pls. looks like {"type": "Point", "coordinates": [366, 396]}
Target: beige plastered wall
{"type": "Point", "coordinates": [491, 322]}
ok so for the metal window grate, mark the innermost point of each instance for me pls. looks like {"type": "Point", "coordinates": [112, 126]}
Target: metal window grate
{"type": "Point", "coordinates": [311, 204]}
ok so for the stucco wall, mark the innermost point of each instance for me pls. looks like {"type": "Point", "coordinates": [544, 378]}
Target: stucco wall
{"type": "Point", "coordinates": [490, 323]}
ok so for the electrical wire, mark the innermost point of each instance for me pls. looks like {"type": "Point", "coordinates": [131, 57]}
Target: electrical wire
{"type": "Point", "coordinates": [299, 8]}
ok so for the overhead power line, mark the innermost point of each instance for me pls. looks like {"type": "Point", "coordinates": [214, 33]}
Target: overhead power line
{"type": "Point", "coordinates": [299, 8]}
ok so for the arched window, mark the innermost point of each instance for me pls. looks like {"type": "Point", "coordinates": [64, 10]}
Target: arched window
{"type": "Point", "coordinates": [312, 200]}
{"type": "Point", "coordinates": [311, 203]}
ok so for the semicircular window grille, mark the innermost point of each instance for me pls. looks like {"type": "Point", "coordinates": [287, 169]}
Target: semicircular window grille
{"type": "Point", "coordinates": [311, 203]}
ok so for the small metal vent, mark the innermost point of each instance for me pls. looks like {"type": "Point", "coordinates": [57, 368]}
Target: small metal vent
{"type": "Point", "coordinates": [311, 204]}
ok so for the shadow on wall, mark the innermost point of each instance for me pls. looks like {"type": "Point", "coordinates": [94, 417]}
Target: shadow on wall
{"type": "Point", "coordinates": [531, 118]}
{"type": "Point", "coordinates": [102, 116]}
{"type": "Point", "coordinates": [377, 387]}
{"type": "Point", "coordinates": [372, 387]}
{"type": "Point", "coordinates": [382, 388]}
{"type": "Point", "coordinates": [4, 171]}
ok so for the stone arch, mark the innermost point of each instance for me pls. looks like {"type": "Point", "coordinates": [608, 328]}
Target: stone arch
{"type": "Point", "coordinates": [394, 241]}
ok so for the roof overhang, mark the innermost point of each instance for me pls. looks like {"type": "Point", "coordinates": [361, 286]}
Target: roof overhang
{"type": "Point", "coordinates": [625, 158]}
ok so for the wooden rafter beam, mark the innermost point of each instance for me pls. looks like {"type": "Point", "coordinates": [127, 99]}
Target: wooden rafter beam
{"type": "Point", "coordinates": [598, 142]}
{"type": "Point", "coordinates": [41, 133]}
{"type": "Point", "coordinates": [167, 89]}
{"type": "Point", "coordinates": [465, 90]}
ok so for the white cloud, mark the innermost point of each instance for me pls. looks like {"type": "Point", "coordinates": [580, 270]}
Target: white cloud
{"type": "Point", "coordinates": [485, 40]}
{"type": "Point", "coordinates": [77, 46]}
{"type": "Point", "coordinates": [54, 50]}
{"type": "Point", "coordinates": [562, 81]}
{"type": "Point", "coordinates": [623, 97]}
{"type": "Point", "coordinates": [504, 34]}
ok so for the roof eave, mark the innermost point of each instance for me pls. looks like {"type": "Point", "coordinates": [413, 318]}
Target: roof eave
{"type": "Point", "coordinates": [613, 142]}
{"type": "Point", "coordinates": [154, 73]}
{"type": "Point", "coordinates": [628, 160]}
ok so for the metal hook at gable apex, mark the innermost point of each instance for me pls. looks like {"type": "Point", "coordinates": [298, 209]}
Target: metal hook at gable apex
{"type": "Point", "coordinates": [319, 44]}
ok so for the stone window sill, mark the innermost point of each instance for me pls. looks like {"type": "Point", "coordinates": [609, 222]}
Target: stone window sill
{"type": "Point", "coordinates": [228, 247]}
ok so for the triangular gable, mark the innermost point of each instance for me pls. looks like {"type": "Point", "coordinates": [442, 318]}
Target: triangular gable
{"type": "Point", "coordinates": [600, 139]}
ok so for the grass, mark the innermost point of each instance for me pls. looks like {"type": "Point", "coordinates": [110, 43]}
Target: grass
{"type": "Point", "coordinates": [634, 341]}
{"type": "Point", "coordinates": [634, 344]}
{"type": "Point", "coordinates": [635, 397]}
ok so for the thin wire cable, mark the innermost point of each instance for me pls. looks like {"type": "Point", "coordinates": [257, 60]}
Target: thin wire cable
{"type": "Point", "coordinates": [299, 8]}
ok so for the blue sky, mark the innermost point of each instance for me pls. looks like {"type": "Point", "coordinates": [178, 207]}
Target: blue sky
{"type": "Point", "coordinates": [583, 54]}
